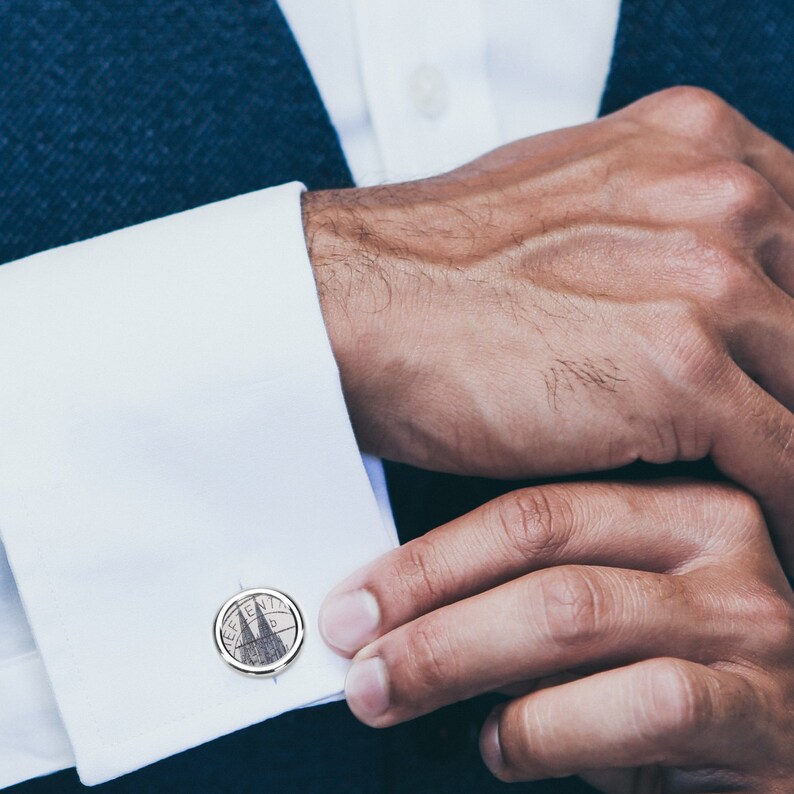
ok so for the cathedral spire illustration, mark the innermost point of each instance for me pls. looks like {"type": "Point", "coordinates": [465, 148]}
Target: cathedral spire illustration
{"type": "Point", "coordinates": [269, 645]}
{"type": "Point", "coordinates": [247, 642]}
{"type": "Point", "coordinates": [265, 648]}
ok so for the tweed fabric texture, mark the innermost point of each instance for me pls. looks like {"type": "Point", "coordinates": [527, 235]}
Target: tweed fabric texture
{"type": "Point", "coordinates": [742, 51]}
{"type": "Point", "coordinates": [115, 112]}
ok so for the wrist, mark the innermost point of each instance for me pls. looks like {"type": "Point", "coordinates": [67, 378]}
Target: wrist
{"type": "Point", "coordinates": [352, 271]}
{"type": "Point", "coordinates": [330, 256]}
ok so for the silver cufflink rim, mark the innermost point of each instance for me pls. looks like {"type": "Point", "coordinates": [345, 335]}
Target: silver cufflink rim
{"type": "Point", "coordinates": [274, 667]}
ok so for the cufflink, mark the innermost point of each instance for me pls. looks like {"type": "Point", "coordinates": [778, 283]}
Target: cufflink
{"type": "Point", "coordinates": [259, 631]}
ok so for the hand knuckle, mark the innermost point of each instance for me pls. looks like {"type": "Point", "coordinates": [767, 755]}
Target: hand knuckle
{"type": "Point", "coordinates": [778, 620]}
{"type": "Point", "coordinates": [572, 606]}
{"type": "Point", "coordinates": [534, 522]}
{"type": "Point", "coordinates": [432, 663]}
{"type": "Point", "coordinates": [739, 192]}
{"type": "Point", "coordinates": [734, 517]}
{"type": "Point", "coordinates": [687, 353]}
{"type": "Point", "coordinates": [524, 745]}
{"type": "Point", "coordinates": [689, 368]}
{"type": "Point", "coordinates": [782, 433]}
{"type": "Point", "coordinates": [722, 275]}
{"type": "Point", "coordinates": [680, 704]}
{"type": "Point", "coordinates": [697, 111]}
{"type": "Point", "coordinates": [709, 269]}
{"type": "Point", "coordinates": [742, 508]}
{"type": "Point", "coordinates": [766, 625]}
{"type": "Point", "coordinates": [420, 571]}
{"type": "Point", "coordinates": [777, 430]}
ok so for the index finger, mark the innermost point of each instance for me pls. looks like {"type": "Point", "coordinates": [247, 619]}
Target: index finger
{"type": "Point", "coordinates": [659, 527]}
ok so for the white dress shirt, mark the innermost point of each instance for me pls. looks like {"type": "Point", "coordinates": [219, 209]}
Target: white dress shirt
{"type": "Point", "coordinates": [172, 428]}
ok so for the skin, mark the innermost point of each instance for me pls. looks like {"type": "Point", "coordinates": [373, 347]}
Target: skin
{"type": "Point", "coordinates": [576, 301]}
{"type": "Point", "coordinates": [645, 634]}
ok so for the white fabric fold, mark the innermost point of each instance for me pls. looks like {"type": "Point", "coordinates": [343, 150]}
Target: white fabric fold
{"type": "Point", "coordinates": [173, 430]}
{"type": "Point", "coordinates": [34, 741]}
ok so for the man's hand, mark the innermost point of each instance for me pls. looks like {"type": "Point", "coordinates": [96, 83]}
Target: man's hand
{"type": "Point", "coordinates": [576, 301]}
{"type": "Point", "coordinates": [662, 607]}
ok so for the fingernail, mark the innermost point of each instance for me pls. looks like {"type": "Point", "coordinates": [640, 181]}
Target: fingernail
{"type": "Point", "coordinates": [350, 620]}
{"type": "Point", "coordinates": [490, 748]}
{"type": "Point", "coordinates": [367, 688]}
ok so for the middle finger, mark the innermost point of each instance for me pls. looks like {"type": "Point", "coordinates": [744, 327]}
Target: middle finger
{"type": "Point", "coordinates": [550, 621]}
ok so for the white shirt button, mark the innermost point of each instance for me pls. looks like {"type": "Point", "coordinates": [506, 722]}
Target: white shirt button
{"type": "Point", "coordinates": [429, 90]}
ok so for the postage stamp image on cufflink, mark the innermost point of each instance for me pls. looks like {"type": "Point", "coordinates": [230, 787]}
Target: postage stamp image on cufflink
{"type": "Point", "coordinates": [259, 631]}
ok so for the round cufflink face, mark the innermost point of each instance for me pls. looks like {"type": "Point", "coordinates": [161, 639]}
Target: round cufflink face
{"type": "Point", "coordinates": [259, 631]}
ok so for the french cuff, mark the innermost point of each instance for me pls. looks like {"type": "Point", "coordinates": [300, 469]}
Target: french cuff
{"type": "Point", "coordinates": [173, 431]}
{"type": "Point", "coordinates": [33, 742]}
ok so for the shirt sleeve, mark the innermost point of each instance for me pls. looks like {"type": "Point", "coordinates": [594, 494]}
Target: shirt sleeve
{"type": "Point", "coordinates": [172, 430]}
